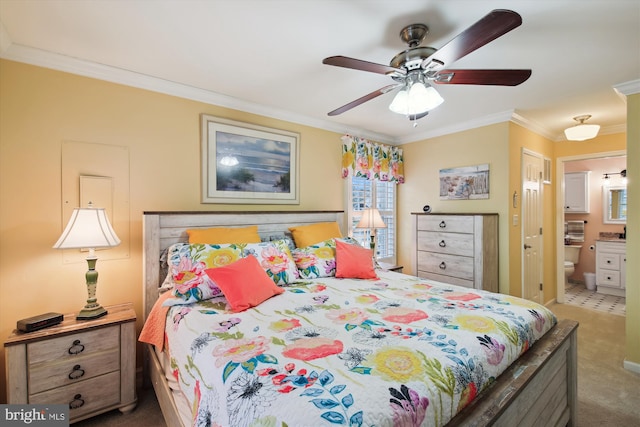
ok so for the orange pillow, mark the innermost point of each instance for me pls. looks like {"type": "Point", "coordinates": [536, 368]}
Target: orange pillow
{"type": "Point", "coordinates": [354, 261]}
{"type": "Point", "coordinates": [220, 235]}
{"type": "Point", "coordinates": [244, 283]}
{"type": "Point", "coordinates": [307, 235]}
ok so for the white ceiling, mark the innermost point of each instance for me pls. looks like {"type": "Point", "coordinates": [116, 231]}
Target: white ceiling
{"type": "Point", "coordinates": [265, 56]}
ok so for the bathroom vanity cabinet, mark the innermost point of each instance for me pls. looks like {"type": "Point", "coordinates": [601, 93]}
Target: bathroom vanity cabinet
{"type": "Point", "coordinates": [611, 260]}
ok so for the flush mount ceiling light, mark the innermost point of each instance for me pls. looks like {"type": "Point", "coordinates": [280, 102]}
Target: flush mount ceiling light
{"type": "Point", "coordinates": [581, 131]}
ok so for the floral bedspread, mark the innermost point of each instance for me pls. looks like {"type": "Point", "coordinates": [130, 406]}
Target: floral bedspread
{"type": "Point", "coordinates": [399, 351]}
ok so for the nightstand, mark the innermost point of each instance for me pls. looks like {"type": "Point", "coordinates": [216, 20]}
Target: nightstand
{"type": "Point", "coordinates": [88, 364]}
{"type": "Point", "coordinates": [390, 267]}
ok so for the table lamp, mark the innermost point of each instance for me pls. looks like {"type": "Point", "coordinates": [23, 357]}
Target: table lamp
{"type": "Point", "coordinates": [371, 219]}
{"type": "Point", "coordinates": [89, 228]}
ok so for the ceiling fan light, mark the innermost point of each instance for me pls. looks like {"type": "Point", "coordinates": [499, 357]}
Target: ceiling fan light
{"type": "Point", "coordinates": [418, 99]}
{"type": "Point", "coordinates": [581, 131]}
{"type": "Point", "coordinates": [399, 103]}
{"type": "Point", "coordinates": [423, 97]}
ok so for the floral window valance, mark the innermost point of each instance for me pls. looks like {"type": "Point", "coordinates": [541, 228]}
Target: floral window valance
{"type": "Point", "coordinates": [365, 159]}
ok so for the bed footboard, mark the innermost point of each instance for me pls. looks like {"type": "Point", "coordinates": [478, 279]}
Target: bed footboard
{"type": "Point", "coordinates": [540, 388]}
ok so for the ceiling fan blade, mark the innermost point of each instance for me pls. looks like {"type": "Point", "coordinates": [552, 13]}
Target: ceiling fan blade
{"type": "Point", "coordinates": [495, 24]}
{"type": "Point", "coordinates": [364, 99]}
{"type": "Point", "coordinates": [358, 64]}
{"type": "Point", "coordinates": [482, 77]}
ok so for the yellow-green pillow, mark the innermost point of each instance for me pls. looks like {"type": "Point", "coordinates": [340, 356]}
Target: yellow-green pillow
{"type": "Point", "coordinates": [307, 235]}
{"type": "Point", "coordinates": [219, 235]}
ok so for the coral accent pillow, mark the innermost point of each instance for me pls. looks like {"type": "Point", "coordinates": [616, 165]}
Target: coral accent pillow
{"type": "Point", "coordinates": [221, 235]}
{"type": "Point", "coordinates": [244, 283]}
{"type": "Point", "coordinates": [354, 262]}
{"type": "Point", "coordinates": [307, 235]}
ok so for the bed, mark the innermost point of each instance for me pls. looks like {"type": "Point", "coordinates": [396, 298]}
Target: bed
{"type": "Point", "coordinates": [319, 361]}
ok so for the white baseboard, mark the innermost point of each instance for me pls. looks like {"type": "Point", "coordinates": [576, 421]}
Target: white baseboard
{"type": "Point", "coordinates": [632, 366]}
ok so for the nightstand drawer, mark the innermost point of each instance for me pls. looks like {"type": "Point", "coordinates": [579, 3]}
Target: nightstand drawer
{"type": "Point", "coordinates": [84, 397]}
{"type": "Point", "coordinates": [45, 376]}
{"type": "Point", "coordinates": [446, 243]}
{"type": "Point", "coordinates": [446, 265]}
{"type": "Point", "coordinates": [71, 347]}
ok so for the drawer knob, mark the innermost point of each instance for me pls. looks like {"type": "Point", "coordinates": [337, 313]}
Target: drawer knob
{"type": "Point", "coordinates": [443, 224]}
{"type": "Point", "coordinates": [608, 261]}
{"type": "Point", "coordinates": [77, 402]}
{"type": "Point", "coordinates": [442, 244]}
{"type": "Point", "coordinates": [76, 373]}
{"type": "Point", "coordinates": [76, 348]}
{"type": "Point", "coordinates": [608, 278]}
{"type": "Point", "coordinates": [443, 266]}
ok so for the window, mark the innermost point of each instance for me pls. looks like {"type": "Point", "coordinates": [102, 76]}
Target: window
{"type": "Point", "coordinates": [364, 194]}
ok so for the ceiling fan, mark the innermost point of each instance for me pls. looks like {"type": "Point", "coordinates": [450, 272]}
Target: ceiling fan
{"type": "Point", "coordinates": [413, 69]}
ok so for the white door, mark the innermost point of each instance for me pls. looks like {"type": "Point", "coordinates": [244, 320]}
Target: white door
{"type": "Point", "coordinates": [532, 166]}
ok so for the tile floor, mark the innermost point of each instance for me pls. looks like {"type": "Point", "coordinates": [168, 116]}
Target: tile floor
{"type": "Point", "coordinates": [579, 295]}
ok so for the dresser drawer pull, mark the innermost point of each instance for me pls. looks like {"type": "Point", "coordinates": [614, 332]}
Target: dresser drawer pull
{"type": "Point", "coordinates": [443, 266]}
{"type": "Point", "coordinates": [443, 224]}
{"type": "Point", "coordinates": [76, 348]}
{"type": "Point", "coordinates": [77, 402]}
{"type": "Point", "coordinates": [608, 261]}
{"type": "Point", "coordinates": [608, 277]}
{"type": "Point", "coordinates": [76, 373]}
{"type": "Point", "coordinates": [442, 244]}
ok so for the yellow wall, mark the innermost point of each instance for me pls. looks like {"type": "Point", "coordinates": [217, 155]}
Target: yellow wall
{"type": "Point", "coordinates": [423, 161]}
{"type": "Point", "coordinates": [41, 108]}
{"type": "Point", "coordinates": [523, 139]}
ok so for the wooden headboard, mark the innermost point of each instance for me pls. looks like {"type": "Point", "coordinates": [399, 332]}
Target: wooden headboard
{"type": "Point", "coordinates": [162, 229]}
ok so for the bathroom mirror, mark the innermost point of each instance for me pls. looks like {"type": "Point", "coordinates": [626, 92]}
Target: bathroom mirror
{"type": "Point", "coordinates": [614, 204]}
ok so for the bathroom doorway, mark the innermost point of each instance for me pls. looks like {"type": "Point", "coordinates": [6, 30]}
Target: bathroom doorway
{"type": "Point", "coordinates": [574, 291]}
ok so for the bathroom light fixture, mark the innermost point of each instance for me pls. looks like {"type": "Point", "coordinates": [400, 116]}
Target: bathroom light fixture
{"type": "Point", "coordinates": [581, 131]}
{"type": "Point", "coordinates": [622, 173]}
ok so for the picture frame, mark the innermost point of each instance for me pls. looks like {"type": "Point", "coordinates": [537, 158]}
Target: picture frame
{"type": "Point", "coordinates": [243, 163]}
{"type": "Point", "coordinates": [465, 183]}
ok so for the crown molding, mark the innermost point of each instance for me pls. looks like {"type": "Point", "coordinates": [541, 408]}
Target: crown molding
{"type": "Point", "coordinates": [98, 71]}
{"type": "Point", "coordinates": [491, 119]}
{"type": "Point", "coordinates": [38, 57]}
{"type": "Point", "coordinates": [628, 88]}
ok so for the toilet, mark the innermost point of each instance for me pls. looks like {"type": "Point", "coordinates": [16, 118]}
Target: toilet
{"type": "Point", "coordinates": [571, 257]}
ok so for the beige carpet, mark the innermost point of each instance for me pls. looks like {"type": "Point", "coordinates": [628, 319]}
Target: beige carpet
{"type": "Point", "coordinates": [608, 395]}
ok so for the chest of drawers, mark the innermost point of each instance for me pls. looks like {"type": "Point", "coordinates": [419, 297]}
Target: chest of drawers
{"type": "Point", "coordinates": [87, 364]}
{"type": "Point", "coordinates": [458, 249]}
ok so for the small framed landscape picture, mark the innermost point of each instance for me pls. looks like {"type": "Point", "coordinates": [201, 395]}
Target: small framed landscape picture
{"type": "Point", "coordinates": [246, 163]}
{"type": "Point", "coordinates": [465, 183]}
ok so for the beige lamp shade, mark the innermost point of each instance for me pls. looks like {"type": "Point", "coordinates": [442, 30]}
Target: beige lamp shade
{"type": "Point", "coordinates": [88, 228]}
{"type": "Point", "coordinates": [371, 219]}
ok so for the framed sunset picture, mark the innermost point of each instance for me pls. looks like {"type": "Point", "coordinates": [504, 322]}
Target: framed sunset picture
{"type": "Point", "coordinates": [246, 163]}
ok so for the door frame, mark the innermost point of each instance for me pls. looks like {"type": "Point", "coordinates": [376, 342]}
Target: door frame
{"type": "Point", "coordinates": [560, 211]}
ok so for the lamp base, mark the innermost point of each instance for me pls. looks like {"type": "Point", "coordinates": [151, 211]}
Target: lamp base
{"type": "Point", "coordinates": [89, 313]}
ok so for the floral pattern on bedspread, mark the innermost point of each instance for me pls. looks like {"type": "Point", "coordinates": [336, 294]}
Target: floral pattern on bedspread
{"type": "Point", "coordinates": [399, 351]}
